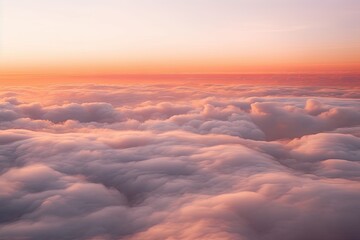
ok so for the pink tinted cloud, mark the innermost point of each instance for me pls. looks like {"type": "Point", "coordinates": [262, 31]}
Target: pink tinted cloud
{"type": "Point", "coordinates": [179, 162]}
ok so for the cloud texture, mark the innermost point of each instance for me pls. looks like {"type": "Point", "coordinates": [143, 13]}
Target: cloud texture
{"type": "Point", "coordinates": [179, 162]}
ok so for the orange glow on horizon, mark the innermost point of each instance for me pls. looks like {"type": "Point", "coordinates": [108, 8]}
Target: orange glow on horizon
{"type": "Point", "coordinates": [300, 79]}
{"type": "Point", "coordinates": [83, 41]}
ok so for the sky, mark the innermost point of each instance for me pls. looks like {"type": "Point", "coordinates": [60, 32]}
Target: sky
{"type": "Point", "coordinates": [179, 119]}
{"type": "Point", "coordinates": [89, 37]}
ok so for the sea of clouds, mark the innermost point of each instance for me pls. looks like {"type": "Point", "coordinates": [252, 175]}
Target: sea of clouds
{"type": "Point", "coordinates": [157, 161]}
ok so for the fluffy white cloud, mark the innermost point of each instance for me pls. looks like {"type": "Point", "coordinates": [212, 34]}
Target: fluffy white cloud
{"type": "Point", "coordinates": [179, 162]}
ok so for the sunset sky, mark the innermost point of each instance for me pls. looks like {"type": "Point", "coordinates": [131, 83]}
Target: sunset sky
{"type": "Point", "coordinates": [179, 119]}
{"type": "Point", "coordinates": [87, 37]}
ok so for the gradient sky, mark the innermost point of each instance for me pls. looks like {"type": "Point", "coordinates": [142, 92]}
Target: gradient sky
{"type": "Point", "coordinates": [179, 36]}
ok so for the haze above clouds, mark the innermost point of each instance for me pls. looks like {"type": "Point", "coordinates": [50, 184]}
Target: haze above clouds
{"type": "Point", "coordinates": [163, 161]}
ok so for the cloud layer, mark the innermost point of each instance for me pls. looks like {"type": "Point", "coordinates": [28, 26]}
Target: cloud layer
{"type": "Point", "coordinates": [179, 162]}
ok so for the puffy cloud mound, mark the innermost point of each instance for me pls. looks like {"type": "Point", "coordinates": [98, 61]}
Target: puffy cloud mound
{"type": "Point", "coordinates": [179, 162]}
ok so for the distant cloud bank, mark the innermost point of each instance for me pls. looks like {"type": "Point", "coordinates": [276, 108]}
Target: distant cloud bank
{"type": "Point", "coordinates": [163, 161]}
